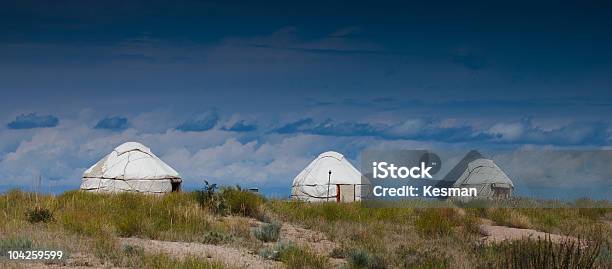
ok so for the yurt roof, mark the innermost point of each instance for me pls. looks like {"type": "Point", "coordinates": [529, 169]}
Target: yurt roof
{"type": "Point", "coordinates": [131, 161]}
{"type": "Point", "coordinates": [483, 171]}
{"type": "Point", "coordinates": [317, 172]}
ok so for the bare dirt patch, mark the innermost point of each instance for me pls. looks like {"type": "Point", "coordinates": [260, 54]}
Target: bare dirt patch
{"type": "Point", "coordinates": [495, 234]}
{"type": "Point", "coordinates": [232, 257]}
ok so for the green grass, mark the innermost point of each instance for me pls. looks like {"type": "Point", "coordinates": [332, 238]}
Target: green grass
{"type": "Point", "coordinates": [435, 222]}
{"type": "Point", "coordinates": [294, 257]}
{"type": "Point", "coordinates": [14, 243]}
{"type": "Point", "coordinates": [173, 216]}
{"type": "Point", "coordinates": [329, 212]}
{"type": "Point", "coordinates": [367, 237]}
{"type": "Point", "coordinates": [241, 202]}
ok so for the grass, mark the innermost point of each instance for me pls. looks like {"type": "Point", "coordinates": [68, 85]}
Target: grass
{"type": "Point", "coordinates": [90, 222]}
{"type": "Point", "coordinates": [435, 222]}
{"type": "Point", "coordinates": [366, 237]}
{"type": "Point", "coordinates": [578, 222]}
{"type": "Point", "coordinates": [163, 261]}
{"type": "Point", "coordinates": [412, 257]}
{"type": "Point", "coordinates": [428, 237]}
{"type": "Point", "coordinates": [14, 243]}
{"type": "Point", "coordinates": [531, 253]}
{"type": "Point", "coordinates": [241, 202]}
{"type": "Point", "coordinates": [294, 257]}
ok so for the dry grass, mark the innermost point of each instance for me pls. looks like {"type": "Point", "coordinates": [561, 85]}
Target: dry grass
{"type": "Point", "coordinates": [367, 237]}
{"type": "Point", "coordinates": [80, 221]}
{"type": "Point", "coordinates": [294, 256]}
{"type": "Point", "coordinates": [425, 237]}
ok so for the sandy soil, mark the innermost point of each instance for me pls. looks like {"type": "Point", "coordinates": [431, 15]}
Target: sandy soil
{"type": "Point", "coordinates": [494, 234]}
{"type": "Point", "coordinates": [233, 257]}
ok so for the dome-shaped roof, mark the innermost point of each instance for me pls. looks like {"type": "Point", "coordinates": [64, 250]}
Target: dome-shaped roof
{"type": "Point", "coordinates": [483, 171]}
{"type": "Point", "coordinates": [131, 146]}
{"type": "Point", "coordinates": [331, 154]}
{"type": "Point", "coordinates": [131, 161]}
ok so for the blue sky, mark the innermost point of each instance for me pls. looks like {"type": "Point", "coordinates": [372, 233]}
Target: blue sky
{"type": "Point", "coordinates": [249, 94]}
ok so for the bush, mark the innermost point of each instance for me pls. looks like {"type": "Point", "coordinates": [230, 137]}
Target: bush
{"type": "Point", "coordinates": [131, 250]}
{"type": "Point", "coordinates": [39, 214]}
{"type": "Point", "coordinates": [215, 238]}
{"type": "Point", "coordinates": [273, 253]}
{"type": "Point", "coordinates": [359, 258]}
{"type": "Point", "coordinates": [242, 202]}
{"type": "Point", "coordinates": [268, 232]}
{"type": "Point", "coordinates": [209, 198]}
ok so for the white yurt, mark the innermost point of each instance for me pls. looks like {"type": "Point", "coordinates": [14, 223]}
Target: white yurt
{"type": "Point", "coordinates": [329, 177]}
{"type": "Point", "coordinates": [131, 167]}
{"type": "Point", "coordinates": [476, 171]}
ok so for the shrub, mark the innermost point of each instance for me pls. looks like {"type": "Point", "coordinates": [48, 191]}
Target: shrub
{"type": "Point", "coordinates": [131, 250]}
{"type": "Point", "coordinates": [39, 214]}
{"type": "Point", "coordinates": [359, 258]}
{"type": "Point", "coordinates": [208, 197]}
{"type": "Point", "coordinates": [215, 238]}
{"type": "Point", "coordinates": [267, 232]}
{"type": "Point", "coordinates": [273, 253]}
{"type": "Point", "coordinates": [242, 202]}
